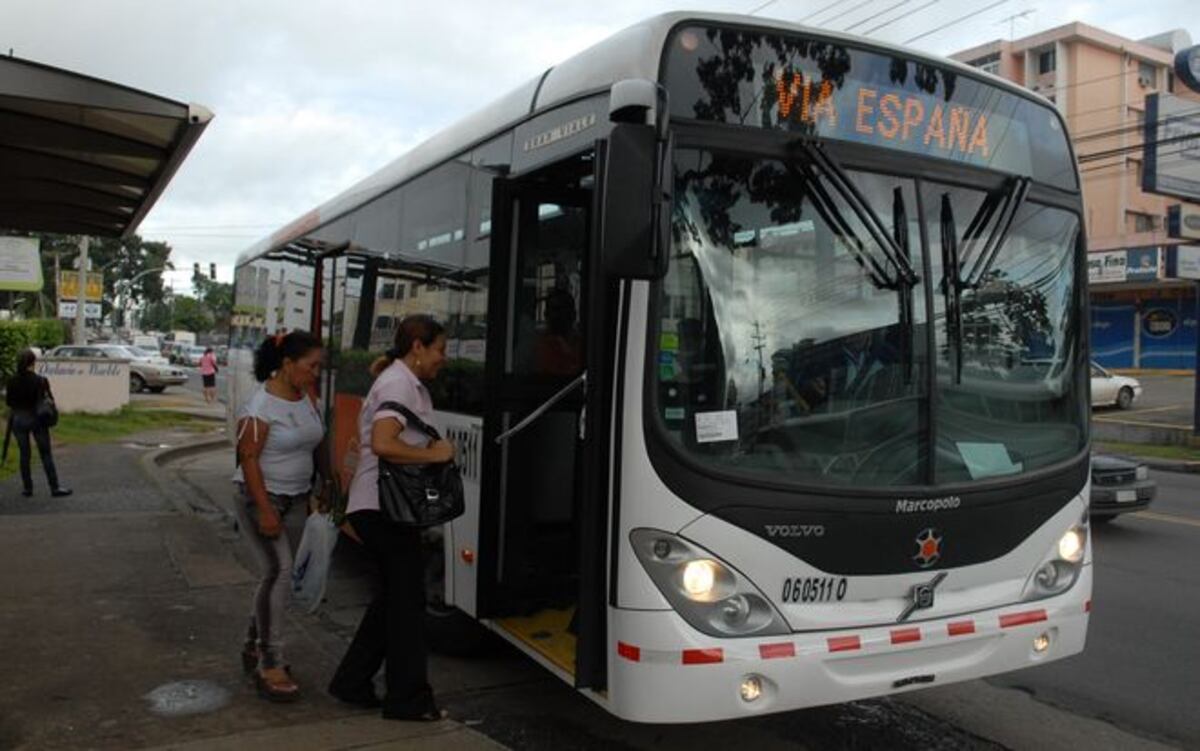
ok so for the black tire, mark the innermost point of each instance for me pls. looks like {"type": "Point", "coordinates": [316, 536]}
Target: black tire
{"type": "Point", "coordinates": [1107, 519]}
{"type": "Point", "coordinates": [157, 389]}
{"type": "Point", "coordinates": [449, 630]}
{"type": "Point", "coordinates": [1125, 398]}
{"type": "Point", "coordinates": [137, 384]}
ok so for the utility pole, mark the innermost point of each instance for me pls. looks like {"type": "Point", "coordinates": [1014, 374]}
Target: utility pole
{"type": "Point", "coordinates": [81, 296]}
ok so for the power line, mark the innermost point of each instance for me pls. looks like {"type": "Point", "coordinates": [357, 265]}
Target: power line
{"type": "Point", "coordinates": [847, 12]}
{"type": "Point", "coordinates": [1097, 155]}
{"type": "Point", "coordinates": [885, 24]}
{"type": "Point", "coordinates": [764, 5]}
{"type": "Point", "coordinates": [822, 10]}
{"type": "Point", "coordinates": [956, 21]}
{"type": "Point", "coordinates": [872, 17]}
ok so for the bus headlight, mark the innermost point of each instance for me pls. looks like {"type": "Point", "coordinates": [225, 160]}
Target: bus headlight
{"type": "Point", "coordinates": [706, 592]}
{"type": "Point", "coordinates": [1058, 571]}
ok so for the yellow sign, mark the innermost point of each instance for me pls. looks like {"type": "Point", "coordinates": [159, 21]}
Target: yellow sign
{"type": "Point", "coordinates": [68, 285]}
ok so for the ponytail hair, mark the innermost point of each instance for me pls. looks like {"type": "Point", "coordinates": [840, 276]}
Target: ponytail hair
{"type": "Point", "coordinates": [270, 355]}
{"type": "Point", "coordinates": [416, 328]}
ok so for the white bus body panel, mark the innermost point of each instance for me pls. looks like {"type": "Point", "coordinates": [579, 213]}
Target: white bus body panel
{"type": "Point", "coordinates": [462, 534]}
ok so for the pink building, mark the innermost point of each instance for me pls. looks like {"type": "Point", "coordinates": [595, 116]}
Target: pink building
{"type": "Point", "coordinates": [1142, 318]}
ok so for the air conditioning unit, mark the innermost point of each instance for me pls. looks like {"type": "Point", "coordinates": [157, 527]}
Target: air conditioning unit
{"type": "Point", "coordinates": [1145, 82]}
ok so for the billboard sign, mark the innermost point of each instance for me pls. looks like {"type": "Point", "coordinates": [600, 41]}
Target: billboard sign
{"type": "Point", "coordinates": [1108, 266]}
{"type": "Point", "coordinates": [1141, 264]}
{"type": "Point", "coordinates": [68, 285]}
{"type": "Point", "coordinates": [1187, 262]}
{"type": "Point", "coordinates": [1171, 150]}
{"type": "Point", "coordinates": [1183, 221]}
{"type": "Point", "coordinates": [20, 264]}
{"type": "Point", "coordinates": [67, 309]}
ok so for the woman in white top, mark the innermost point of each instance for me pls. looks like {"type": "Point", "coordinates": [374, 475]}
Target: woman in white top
{"type": "Point", "coordinates": [279, 427]}
{"type": "Point", "coordinates": [392, 629]}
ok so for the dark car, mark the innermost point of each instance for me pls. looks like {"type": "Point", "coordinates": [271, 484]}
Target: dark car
{"type": "Point", "coordinates": [1119, 485]}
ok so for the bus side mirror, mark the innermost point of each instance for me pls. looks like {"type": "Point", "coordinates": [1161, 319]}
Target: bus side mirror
{"type": "Point", "coordinates": [631, 220]}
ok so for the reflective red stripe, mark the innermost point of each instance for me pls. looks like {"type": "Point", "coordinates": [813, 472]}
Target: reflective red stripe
{"type": "Point", "coordinates": [961, 628]}
{"type": "Point", "coordinates": [905, 635]}
{"type": "Point", "coordinates": [844, 643]}
{"type": "Point", "coordinates": [774, 651]}
{"type": "Point", "coordinates": [1020, 619]}
{"type": "Point", "coordinates": [702, 656]}
{"type": "Point", "coordinates": [628, 651]}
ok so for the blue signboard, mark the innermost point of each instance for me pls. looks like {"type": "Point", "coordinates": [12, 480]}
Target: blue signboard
{"type": "Point", "coordinates": [1168, 334]}
{"type": "Point", "coordinates": [1112, 335]}
{"type": "Point", "coordinates": [1141, 264]}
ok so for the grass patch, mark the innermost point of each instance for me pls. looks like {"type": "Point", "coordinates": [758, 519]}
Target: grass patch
{"type": "Point", "coordinates": [1182, 453]}
{"type": "Point", "coordinates": [82, 429]}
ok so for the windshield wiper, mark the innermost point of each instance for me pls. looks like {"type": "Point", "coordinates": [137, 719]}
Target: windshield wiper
{"type": "Point", "coordinates": [1005, 203]}
{"type": "Point", "coordinates": [841, 183]}
{"type": "Point", "coordinates": [900, 230]}
{"type": "Point", "coordinates": [951, 286]}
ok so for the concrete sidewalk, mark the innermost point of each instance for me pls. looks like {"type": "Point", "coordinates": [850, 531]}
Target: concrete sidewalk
{"type": "Point", "coordinates": [122, 617]}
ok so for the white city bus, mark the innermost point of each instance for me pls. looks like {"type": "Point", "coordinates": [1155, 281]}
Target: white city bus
{"type": "Point", "coordinates": [767, 372]}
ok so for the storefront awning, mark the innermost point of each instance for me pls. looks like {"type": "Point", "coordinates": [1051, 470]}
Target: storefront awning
{"type": "Point", "coordinates": [83, 156]}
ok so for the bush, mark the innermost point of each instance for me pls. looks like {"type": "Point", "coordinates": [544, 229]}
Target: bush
{"type": "Point", "coordinates": [17, 335]}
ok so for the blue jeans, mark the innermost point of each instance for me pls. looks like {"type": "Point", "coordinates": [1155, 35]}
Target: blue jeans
{"type": "Point", "coordinates": [24, 425]}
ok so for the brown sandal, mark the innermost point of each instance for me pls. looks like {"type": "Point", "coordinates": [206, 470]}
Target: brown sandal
{"type": "Point", "coordinates": [276, 684]}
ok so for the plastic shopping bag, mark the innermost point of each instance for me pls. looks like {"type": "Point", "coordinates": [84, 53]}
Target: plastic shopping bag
{"type": "Point", "coordinates": [311, 567]}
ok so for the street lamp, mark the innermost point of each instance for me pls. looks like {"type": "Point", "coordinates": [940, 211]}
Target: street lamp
{"type": "Point", "coordinates": [126, 285]}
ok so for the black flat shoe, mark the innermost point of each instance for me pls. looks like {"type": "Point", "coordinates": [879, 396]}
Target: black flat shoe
{"type": "Point", "coordinates": [364, 697]}
{"type": "Point", "coordinates": [61, 492]}
{"type": "Point", "coordinates": [430, 715]}
{"type": "Point", "coordinates": [27, 493]}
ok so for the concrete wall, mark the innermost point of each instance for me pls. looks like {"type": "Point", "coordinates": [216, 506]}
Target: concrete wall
{"type": "Point", "coordinates": [87, 384]}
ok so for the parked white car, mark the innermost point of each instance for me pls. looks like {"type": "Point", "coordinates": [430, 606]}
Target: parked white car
{"type": "Point", "coordinates": [1109, 388]}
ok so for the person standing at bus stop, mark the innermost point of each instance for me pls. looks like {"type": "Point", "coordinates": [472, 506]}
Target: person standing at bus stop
{"type": "Point", "coordinates": [279, 427]}
{"type": "Point", "coordinates": [24, 392]}
{"type": "Point", "coordinates": [392, 631]}
{"type": "Point", "coordinates": [208, 374]}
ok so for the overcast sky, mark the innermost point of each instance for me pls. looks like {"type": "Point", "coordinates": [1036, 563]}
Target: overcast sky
{"type": "Point", "coordinates": [311, 96]}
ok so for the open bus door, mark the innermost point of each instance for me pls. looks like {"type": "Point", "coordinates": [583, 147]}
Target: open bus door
{"type": "Point", "coordinates": [543, 536]}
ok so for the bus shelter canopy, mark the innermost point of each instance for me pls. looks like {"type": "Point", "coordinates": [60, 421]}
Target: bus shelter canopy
{"type": "Point", "coordinates": [83, 156]}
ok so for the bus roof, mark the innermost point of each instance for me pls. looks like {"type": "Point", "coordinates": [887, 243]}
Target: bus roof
{"type": "Point", "coordinates": [634, 52]}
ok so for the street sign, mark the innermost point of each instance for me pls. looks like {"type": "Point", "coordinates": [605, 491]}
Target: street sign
{"type": "Point", "coordinates": [67, 309]}
{"type": "Point", "coordinates": [1171, 147]}
{"type": "Point", "coordinates": [1187, 262]}
{"type": "Point", "coordinates": [20, 265]}
{"type": "Point", "coordinates": [68, 285]}
{"type": "Point", "coordinates": [1183, 221]}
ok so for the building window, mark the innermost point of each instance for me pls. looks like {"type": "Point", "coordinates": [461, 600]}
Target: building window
{"type": "Point", "coordinates": [383, 323]}
{"type": "Point", "coordinates": [1046, 62]}
{"type": "Point", "coordinates": [1143, 222]}
{"type": "Point", "coordinates": [1146, 74]}
{"type": "Point", "coordinates": [387, 291]}
{"type": "Point", "coordinates": [1170, 82]}
{"type": "Point", "coordinates": [399, 291]}
{"type": "Point", "coordinates": [987, 63]}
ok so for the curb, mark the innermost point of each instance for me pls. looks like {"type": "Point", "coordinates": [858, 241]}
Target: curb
{"type": "Point", "coordinates": [153, 462]}
{"type": "Point", "coordinates": [1170, 465]}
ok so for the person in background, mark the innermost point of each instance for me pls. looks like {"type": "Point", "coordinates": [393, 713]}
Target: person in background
{"type": "Point", "coordinates": [208, 374]}
{"type": "Point", "coordinates": [24, 391]}
{"type": "Point", "coordinates": [392, 631]}
{"type": "Point", "coordinates": [278, 429]}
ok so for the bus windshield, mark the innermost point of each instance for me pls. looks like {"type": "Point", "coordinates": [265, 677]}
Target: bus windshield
{"type": "Point", "coordinates": [792, 334]}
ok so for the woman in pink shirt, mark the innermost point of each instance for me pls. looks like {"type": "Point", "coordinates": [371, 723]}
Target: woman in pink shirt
{"type": "Point", "coordinates": [208, 373]}
{"type": "Point", "coordinates": [392, 630]}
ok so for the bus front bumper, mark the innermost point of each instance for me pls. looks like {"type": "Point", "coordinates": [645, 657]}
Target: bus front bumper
{"type": "Point", "coordinates": [652, 680]}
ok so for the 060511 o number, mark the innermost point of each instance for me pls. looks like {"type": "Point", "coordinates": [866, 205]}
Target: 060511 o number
{"type": "Point", "coordinates": [814, 589]}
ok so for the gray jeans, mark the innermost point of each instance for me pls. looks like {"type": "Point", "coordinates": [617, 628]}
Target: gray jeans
{"type": "Point", "coordinates": [275, 584]}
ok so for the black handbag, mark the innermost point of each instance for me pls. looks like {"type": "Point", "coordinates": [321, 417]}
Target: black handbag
{"type": "Point", "coordinates": [419, 495]}
{"type": "Point", "coordinates": [46, 410]}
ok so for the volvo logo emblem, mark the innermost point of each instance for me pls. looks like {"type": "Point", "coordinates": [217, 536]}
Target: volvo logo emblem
{"type": "Point", "coordinates": [929, 547]}
{"type": "Point", "coordinates": [921, 597]}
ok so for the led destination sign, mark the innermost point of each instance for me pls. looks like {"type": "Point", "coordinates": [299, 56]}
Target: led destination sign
{"type": "Point", "coordinates": [832, 90]}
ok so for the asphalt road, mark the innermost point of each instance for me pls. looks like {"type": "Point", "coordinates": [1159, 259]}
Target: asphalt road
{"type": "Point", "coordinates": [1141, 667]}
{"type": "Point", "coordinates": [195, 384]}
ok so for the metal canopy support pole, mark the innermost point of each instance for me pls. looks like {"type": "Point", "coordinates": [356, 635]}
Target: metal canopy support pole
{"type": "Point", "coordinates": [81, 295]}
{"type": "Point", "coordinates": [1196, 369]}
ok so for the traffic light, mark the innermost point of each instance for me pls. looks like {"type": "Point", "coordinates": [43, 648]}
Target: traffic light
{"type": "Point", "coordinates": [196, 269]}
{"type": "Point", "coordinates": [212, 271]}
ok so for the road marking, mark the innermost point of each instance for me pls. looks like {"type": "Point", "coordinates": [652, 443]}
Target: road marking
{"type": "Point", "coordinates": [1172, 518]}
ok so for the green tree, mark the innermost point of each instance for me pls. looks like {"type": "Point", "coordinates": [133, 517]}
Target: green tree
{"type": "Point", "coordinates": [218, 296]}
{"type": "Point", "coordinates": [192, 315]}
